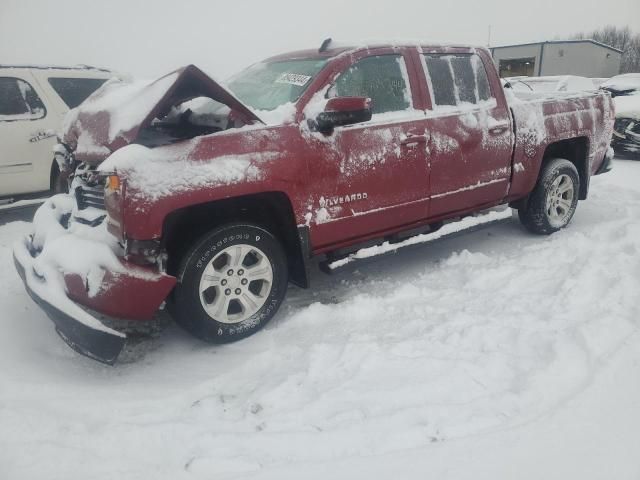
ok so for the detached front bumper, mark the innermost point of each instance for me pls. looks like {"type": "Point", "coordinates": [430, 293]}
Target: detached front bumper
{"type": "Point", "coordinates": [102, 344]}
{"type": "Point", "coordinates": [64, 291]}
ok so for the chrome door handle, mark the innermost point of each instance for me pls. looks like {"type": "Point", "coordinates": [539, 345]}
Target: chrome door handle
{"type": "Point", "coordinates": [413, 139]}
{"type": "Point", "coordinates": [498, 129]}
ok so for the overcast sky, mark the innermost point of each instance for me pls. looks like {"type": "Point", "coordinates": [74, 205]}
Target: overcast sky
{"type": "Point", "coordinates": [148, 38]}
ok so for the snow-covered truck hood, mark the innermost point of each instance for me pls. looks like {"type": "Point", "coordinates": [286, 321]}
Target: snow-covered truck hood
{"type": "Point", "coordinates": [116, 113]}
{"type": "Point", "coordinates": [628, 106]}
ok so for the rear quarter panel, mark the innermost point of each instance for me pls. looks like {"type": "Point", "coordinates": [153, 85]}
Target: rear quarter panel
{"type": "Point", "coordinates": [543, 121]}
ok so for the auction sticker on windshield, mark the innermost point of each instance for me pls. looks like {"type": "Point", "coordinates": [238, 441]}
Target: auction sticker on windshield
{"type": "Point", "coordinates": [293, 79]}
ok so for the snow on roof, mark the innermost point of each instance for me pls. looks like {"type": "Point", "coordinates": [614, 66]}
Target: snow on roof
{"type": "Point", "coordinates": [56, 67]}
{"type": "Point", "coordinates": [397, 42]}
{"type": "Point", "coordinates": [335, 48]}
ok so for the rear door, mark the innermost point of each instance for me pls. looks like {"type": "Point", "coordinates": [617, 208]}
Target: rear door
{"type": "Point", "coordinates": [371, 176]}
{"type": "Point", "coordinates": [469, 130]}
{"type": "Point", "coordinates": [27, 135]}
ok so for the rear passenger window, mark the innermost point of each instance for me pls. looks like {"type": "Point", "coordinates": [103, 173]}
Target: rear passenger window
{"type": "Point", "coordinates": [457, 79]}
{"type": "Point", "coordinates": [74, 91]}
{"type": "Point", "coordinates": [19, 101]}
{"type": "Point", "coordinates": [382, 78]}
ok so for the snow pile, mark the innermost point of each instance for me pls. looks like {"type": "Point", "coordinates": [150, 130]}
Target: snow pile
{"type": "Point", "coordinates": [487, 347]}
{"type": "Point", "coordinates": [152, 174]}
{"type": "Point", "coordinates": [79, 249]}
{"type": "Point", "coordinates": [450, 228]}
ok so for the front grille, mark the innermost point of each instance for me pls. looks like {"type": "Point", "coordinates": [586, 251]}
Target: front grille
{"type": "Point", "coordinates": [90, 197]}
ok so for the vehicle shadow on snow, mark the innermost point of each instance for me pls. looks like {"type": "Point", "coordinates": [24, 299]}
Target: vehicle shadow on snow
{"type": "Point", "coordinates": [398, 266]}
{"type": "Point", "coordinates": [393, 268]}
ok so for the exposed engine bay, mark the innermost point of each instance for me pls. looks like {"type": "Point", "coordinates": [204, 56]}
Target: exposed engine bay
{"type": "Point", "coordinates": [188, 119]}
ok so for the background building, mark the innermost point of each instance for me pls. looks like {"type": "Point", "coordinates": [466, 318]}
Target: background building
{"type": "Point", "coordinates": [587, 58]}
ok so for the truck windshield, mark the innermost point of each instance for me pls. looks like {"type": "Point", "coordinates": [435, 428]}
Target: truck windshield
{"type": "Point", "coordinates": [266, 86]}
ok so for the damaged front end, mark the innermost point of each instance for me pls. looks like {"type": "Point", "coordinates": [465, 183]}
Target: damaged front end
{"type": "Point", "coordinates": [79, 264]}
{"type": "Point", "coordinates": [77, 272]}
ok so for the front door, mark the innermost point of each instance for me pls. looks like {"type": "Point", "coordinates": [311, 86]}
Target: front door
{"type": "Point", "coordinates": [372, 176]}
{"type": "Point", "coordinates": [27, 136]}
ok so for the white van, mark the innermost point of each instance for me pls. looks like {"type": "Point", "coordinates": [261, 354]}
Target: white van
{"type": "Point", "coordinates": [33, 103]}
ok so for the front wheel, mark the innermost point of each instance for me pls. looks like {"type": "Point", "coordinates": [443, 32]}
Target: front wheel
{"type": "Point", "coordinates": [553, 201]}
{"type": "Point", "coordinates": [230, 283]}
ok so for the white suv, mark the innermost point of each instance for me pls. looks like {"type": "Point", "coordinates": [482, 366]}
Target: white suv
{"type": "Point", "coordinates": [33, 103]}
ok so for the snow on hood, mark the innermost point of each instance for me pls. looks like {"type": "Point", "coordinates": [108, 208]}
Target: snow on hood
{"type": "Point", "coordinates": [114, 115]}
{"type": "Point", "coordinates": [628, 106]}
{"type": "Point", "coordinates": [624, 82]}
{"type": "Point", "coordinates": [161, 172]}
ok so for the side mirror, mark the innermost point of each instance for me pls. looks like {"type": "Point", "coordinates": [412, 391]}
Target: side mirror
{"type": "Point", "coordinates": [343, 111]}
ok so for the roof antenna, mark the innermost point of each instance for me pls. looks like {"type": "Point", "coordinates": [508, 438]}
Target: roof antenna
{"type": "Point", "coordinates": [325, 45]}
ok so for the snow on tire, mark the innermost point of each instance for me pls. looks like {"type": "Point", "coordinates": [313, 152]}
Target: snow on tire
{"type": "Point", "coordinates": [554, 199]}
{"type": "Point", "coordinates": [230, 283]}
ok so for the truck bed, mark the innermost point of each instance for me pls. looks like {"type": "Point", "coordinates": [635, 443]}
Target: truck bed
{"type": "Point", "coordinates": [567, 120]}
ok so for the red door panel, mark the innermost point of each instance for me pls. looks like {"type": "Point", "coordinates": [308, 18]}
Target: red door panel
{"type": "Point", "coordinates": [469, 129]}
{"type": "Point", "coordinates": [372, 176]}
{"type": "Point", "coordinates": [369, 178]}
{"type": "Point", "coordinates": [469, 159]}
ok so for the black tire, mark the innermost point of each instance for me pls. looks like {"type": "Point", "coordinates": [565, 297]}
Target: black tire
{"type": "Point", "coordinates": [535, 215]}
{"type": "Point", "coordinates": [188, 304]}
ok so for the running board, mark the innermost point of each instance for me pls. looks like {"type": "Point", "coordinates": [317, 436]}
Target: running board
{"type": "Point", "coordinates": [336, 261]}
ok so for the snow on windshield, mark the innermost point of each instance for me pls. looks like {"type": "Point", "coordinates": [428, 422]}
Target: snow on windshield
{"type": "Point", "coordinates": [267, 86]}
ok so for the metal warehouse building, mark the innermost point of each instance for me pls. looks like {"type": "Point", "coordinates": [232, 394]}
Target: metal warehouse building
{"type": "Point", "coordinates": [587, 58]}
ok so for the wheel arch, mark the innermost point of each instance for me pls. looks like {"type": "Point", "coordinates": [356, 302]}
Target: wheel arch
{"type": "Point", "coordinates": [576, 150]}
{"type": "Point", "coordinates": [272, 211]}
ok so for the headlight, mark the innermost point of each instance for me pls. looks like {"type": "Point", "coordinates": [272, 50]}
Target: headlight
{"type": "Point", "coordinates": [112, 184]}
{"type": "Point", "coordinates": [114, 197]}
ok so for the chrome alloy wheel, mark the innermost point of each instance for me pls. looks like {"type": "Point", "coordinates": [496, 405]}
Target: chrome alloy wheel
{"type": "Point", "coordinates": [560, 200]}
{"type": "Point", "coordinates": [236, 283]}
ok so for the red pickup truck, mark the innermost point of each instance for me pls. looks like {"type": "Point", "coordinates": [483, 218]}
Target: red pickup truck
{"type": "Point", "coordinates": [211, 198]}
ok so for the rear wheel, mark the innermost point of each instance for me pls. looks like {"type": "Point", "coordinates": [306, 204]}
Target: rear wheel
{"type": "Point", "coordinates": [231, 283]}
{"type": "Point", "coordinates": [553, 202]}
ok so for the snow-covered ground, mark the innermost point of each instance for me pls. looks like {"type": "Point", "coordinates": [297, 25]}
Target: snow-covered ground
{"type": "Point", "coordinates": [495, 354]}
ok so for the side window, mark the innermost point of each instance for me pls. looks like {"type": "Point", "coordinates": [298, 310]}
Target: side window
{"type": "Point", "coordinates": [19, 101]}
{"type": "Point", "coordinates": [74, 91]}
{"type": "Point", "coordinates": [382, 78]}
{"type": "Point", "coordinates": [457, 79]}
